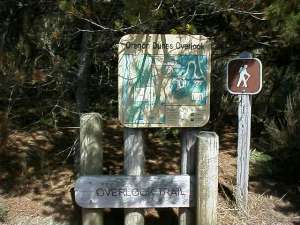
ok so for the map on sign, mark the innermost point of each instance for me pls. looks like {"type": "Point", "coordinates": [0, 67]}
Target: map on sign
{"type": "Point", "coordinates": [164, 80]}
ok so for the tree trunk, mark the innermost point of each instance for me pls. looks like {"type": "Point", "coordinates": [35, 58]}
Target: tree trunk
{"type": "Point", "coordinates": [3, 130]}
{"type": "Point", "coordinates": [83, 75]}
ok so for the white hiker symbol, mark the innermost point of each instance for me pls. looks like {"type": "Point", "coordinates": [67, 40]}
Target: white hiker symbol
{"type": "Point", "coordinates": [243, 73]}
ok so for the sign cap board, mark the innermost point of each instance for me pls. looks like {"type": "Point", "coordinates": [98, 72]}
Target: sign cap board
{"type": "Point", "coordinates": [244, 76]}
{"type": "Point", "coordinates": [164, 80]}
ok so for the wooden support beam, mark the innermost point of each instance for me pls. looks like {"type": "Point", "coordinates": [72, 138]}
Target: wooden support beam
{"type": "Point", "coordinates": [188, 138]}
{"type": "Point", "coordinates": [91, 158]}
{"type": "Point", "coordinates": [134, 163]}
{"type": "Point", "coordinates": [207, 178]}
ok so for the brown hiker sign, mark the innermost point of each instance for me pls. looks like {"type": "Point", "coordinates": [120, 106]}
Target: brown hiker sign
{"type": "Point", "coordinates": [244, 76]}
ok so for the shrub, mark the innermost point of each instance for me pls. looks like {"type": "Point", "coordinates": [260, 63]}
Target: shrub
{"type": "Point", "coordinates": [285, 141]}
{"type": "Point", "coordinates": [3, 211]}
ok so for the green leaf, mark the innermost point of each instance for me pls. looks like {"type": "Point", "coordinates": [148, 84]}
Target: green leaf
{"type": "Point", "coordinates": [64, 5]}
{"type": "Point", "coordinates": [173, 31]}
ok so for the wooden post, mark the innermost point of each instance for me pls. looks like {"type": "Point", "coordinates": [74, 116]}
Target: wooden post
{"type": "Point", "coordinates": [207, 178]}
{"type": "Point", "coordinates": [243, 148]}
{"type": "Point", "coordinates": [188, 157]}
{"type": "Point", "coordinates": [91, 158]}
{"type": "Point", "coordinates": [134, 161]}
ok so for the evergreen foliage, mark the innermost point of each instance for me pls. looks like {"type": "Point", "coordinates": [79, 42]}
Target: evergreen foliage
{"type": "Point", "coordinates": [41, 47]}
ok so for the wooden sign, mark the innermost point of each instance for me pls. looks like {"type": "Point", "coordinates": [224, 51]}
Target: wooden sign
{"type": "Point", "coordinates": [164, 80]}
{"type": "Point", "coordinates": [133, 191]}
{"type": "Point", "coordinates": [244, 76]}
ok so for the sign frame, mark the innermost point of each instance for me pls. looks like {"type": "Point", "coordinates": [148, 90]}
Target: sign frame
{"type": "Point", "coordinates": [260, 77]}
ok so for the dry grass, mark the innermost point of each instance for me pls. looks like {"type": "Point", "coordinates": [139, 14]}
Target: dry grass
{"type": "Point", "coordinates": [260, 211]}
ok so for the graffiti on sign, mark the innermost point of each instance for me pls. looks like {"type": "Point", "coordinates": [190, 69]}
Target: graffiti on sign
{"type": "Point", "coordinates": [164, 80]}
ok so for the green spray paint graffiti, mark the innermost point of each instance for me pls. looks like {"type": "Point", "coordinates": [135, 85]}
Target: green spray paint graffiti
{"type": "Point", "coordinates": [189, 78]}
{"type": "Point", "coordinates": [151, 83]}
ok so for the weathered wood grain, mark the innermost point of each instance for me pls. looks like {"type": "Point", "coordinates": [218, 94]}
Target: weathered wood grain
{"type": "Point", "coordinates": [207, 178]}
{"type": "Point", "coordinates": [243, 148]}
{"type": "Point", "coordinates": [133, 191]}
{"type": "Point", "coordinates": [188, 158]}
{"type": "Point", "coordinates": [134, 164]}
{"type": "Point", "coordinates": [91, 158]}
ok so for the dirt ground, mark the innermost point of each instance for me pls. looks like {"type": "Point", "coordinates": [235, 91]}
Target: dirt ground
{"type": "Point", "coordinates": [37, 179]}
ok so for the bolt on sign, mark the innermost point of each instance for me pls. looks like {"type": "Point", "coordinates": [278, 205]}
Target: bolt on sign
{"type": "Point", "coordinates": [244, 76]}
{"type": "Point", "coordinates": [164, 80]}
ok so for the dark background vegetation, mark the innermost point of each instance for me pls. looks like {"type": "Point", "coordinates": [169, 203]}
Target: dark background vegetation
{"type": "Point", "coordinates": [59, 58]}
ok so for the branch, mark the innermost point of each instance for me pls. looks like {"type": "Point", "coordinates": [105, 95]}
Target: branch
{"type": "Point", "coordinates": [253, 14]}
{"type": "Point", "coordinates": [158, 7]}
{"type": "Point", "coordinates": [104, 28]}
{"type": "Point", "coordinates": [99, 25]}
{"type": "Point", "coordinates": [237, 11]}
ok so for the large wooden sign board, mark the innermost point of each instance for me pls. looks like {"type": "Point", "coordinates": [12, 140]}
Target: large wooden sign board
{"type": "Point", "coordinates": [244, 76]}
{"type": "Point", "coordinates": [164, 80]}
{"type": "Point", "coordinates": [133, 191]}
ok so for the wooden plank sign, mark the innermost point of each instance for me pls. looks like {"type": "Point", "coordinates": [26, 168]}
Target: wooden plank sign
{"type": "Point", "coordinates": [164, 80]}
{"type": "Point", "coordinates": [133, 191]}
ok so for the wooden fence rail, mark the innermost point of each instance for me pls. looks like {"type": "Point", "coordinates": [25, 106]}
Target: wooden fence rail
{"type": "Point", "coordinates": [94, 191]}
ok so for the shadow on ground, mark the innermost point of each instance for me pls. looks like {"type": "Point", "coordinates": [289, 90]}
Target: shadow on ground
{"type": "Point", "coordinates": [36, 173]}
